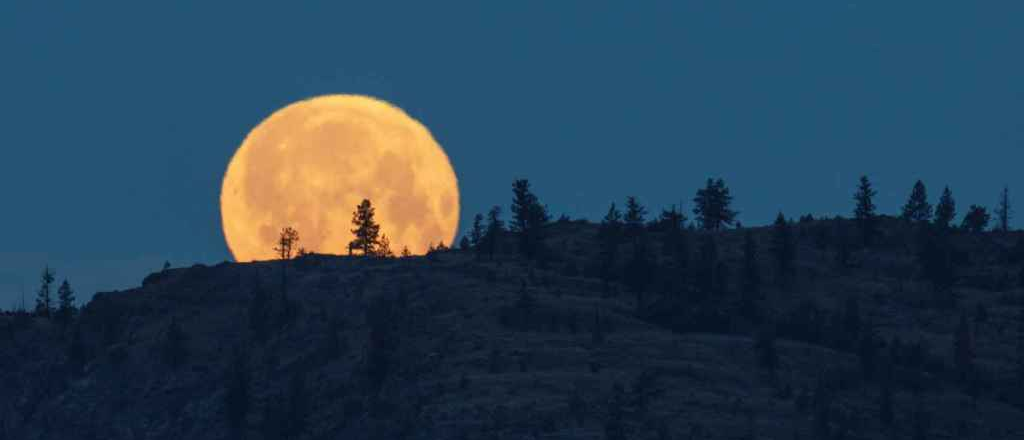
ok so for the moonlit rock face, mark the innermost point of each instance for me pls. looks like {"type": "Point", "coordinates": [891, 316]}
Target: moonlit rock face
{"type": "Point", "coordinates": [309, 164]}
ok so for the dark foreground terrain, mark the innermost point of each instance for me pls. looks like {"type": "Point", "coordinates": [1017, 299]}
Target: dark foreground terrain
{"type": "Point", "coordinates": [452, 346]}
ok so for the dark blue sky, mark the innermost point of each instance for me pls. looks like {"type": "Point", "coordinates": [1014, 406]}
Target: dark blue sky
{"type": "Point", "coordinates": [118, 118]}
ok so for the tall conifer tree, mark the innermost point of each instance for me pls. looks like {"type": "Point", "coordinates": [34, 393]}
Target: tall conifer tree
{"type": "Point", "coordinates": [864, 212]}
{"type": "Point", "coordinates": [945, 211]}
{"type": "Point", "coordinates": [917, 208]}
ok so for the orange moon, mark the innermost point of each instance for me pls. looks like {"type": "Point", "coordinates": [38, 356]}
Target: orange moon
{"type": "Point", "coordinates": [310, 163]}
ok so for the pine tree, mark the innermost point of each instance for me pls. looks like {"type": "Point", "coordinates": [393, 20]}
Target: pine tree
{"type": "Point", "coordinates": [634, 217]}
{"type": "Point", "coordinates": [286, 242]}
{"type": "Point", "coordinates": [1003, 211]}
{"type": "Point", "coordinates": [864, 212]}
{"type": "Point", "coordinates": [945, 211]}
{"type": "Point", "coordinates": [784, 249]}
{"type": "Point", "coordinates": [366, 229]}
{"type": "Point", "coordinates": [464, 243]}
{"type": "Point", "coordinates": [405, 252]}
{"type": "Point", "coordinates": [712, 206]}
{"type": "Point", "coordinates": [528, 219]}
{"type": "Point", "coordinates": [66, 303]}
{"type": "Point", "coordinates": [495, 227]}
{"type": "Point", "coordinates": [384, 247]}
{"type": "Point", "coordinates": [476, 234]}
{"type": "Point", "coordinates": [976, 220]}
{"type": "Point", "coordinates": [671, 219]}
{"type": "Point", "coordinates": [917, 208]}
{"type": "Point", "coordinates": [44, 303]}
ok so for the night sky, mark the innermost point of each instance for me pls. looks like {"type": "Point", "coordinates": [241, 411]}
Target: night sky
{"type": "Point", "coordinates": [119, 118]}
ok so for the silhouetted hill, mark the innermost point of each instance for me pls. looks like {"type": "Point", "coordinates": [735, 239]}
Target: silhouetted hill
{"type": "Point", "coordinates": [450, 346]}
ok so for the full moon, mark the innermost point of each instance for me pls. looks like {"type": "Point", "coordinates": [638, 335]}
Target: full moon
{"type": "Point", "coordinates": [309, 164]}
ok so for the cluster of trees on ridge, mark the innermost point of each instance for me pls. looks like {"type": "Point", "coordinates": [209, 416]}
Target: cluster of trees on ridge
{"type": "Point", "coordinates": [688, 287]}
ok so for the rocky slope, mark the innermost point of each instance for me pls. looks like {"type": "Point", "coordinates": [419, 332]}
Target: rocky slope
{"type": "Point", "coordinates": [454, 347]}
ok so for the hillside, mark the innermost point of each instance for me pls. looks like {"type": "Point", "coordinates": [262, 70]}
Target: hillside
{"type": "Point", "coordinates": [452, 346]}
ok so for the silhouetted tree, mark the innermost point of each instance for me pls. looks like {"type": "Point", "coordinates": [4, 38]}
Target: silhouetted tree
{"type": "Point", "coordinates": [634, 218]}
{"type": "Point", "coordinates": [785, 250]}
{"type": "Point", "coordinates": [976, 220]}
{"type": "Point", "coordinates": [236, 396]}
{"type": "Point", "coordinates": [1003, 211]}
{"type": "Point", "coordinates": [712, 206]}
{"type": "Point", "coordinates": [495, 226]}
{"type": "Point", "coordinates": [384, 247]}
{"type": "Point", "coordinates": [366, 229]}
{"type": "Point", "coordinates": [864, 212]}
{"type": "Point", "coordinates": [528, 219]}
{"type": "Point", "coordinates": [751, 276]}
{"type": "Point", "coordinates": [66, 304]}
{"type": "Point", "coordinates": [174, 351]}
{"type": "Point", "coordinates": [286, 242]}
{"type": "Point", "coordinates": [963, 349]}
{"type": "Point", "coordinates": [476, 234]}
{"type": "Point", "coordinates": [44, 302]}
{"type": "Point", "coordinates": [167, 265]}
{"type": "Point", "coordinates": [405, 252]}
{"type": "Point", "coordinates": [945, 211]}
{"type": "Point", "coordinates": [917, 208]}
{"type": "Point", "coordinates": [464, 243]}
{"type": "Point", "coordinates": [671, 219]}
